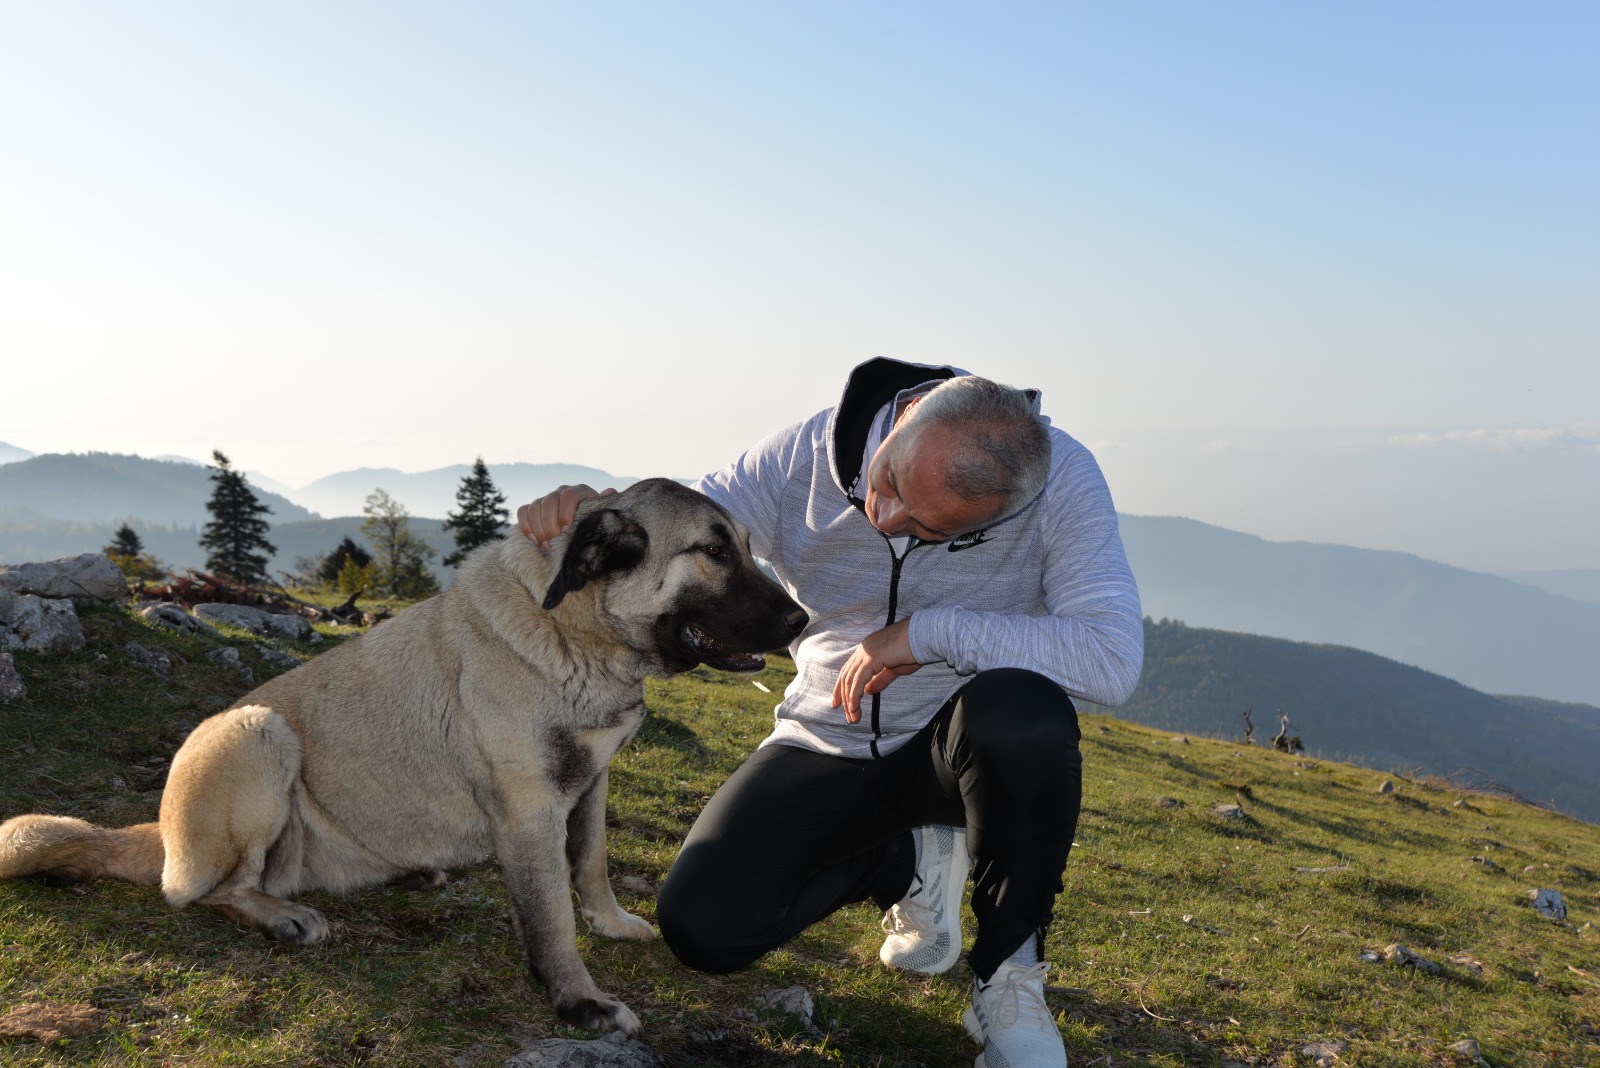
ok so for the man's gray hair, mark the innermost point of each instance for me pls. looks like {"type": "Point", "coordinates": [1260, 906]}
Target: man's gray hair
{"type": "Point", "coordinates": [1004, 448]}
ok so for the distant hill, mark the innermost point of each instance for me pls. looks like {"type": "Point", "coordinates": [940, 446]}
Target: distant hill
{"type": "Point", "coordinates": [1355, 706]}
{"type": "Point", "coordinates": [433, 493]}
{"type": "Point", "coordinates": [104, 487]}
{"type": "Point", "coordinates": [1581, 584]}
{"type": "Point", "coordinates": [1488, 632]}
{"type": "Point", "coordinates": [11, 454]}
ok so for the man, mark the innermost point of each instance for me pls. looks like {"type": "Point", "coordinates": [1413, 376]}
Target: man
{"type": "Point", "coordinates": [962, 567]}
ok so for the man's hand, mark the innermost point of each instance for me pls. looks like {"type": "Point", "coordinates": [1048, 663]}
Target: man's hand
{"type": "Point", "coordinates": [548, 516]}
{"type": "Point", "coordinates": [882, 657]}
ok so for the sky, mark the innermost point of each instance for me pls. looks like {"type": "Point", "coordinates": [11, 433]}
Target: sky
{"type": "Point", "coordinates": [1325, 272]}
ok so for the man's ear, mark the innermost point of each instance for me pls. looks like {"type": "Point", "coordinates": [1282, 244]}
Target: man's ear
{"type": "Point", "coordinates": [603, 541]}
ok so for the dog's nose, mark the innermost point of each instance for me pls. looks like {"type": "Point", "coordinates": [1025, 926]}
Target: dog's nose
{"type": "Point", "coordinates": [796, 621]}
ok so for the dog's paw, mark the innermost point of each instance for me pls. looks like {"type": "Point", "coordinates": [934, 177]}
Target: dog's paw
{"type": "Point", "coordinates": [600, 1013]}
{"type": "Point", "coordinates": [623, 925]}
{"type": "Point", "coordinates": [297, 925]}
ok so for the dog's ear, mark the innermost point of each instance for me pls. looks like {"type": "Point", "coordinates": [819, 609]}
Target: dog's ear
{"type": "Point", "coordinates": [602, 542]}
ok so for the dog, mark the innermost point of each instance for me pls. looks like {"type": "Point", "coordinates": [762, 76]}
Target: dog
{"type": "Point", "coordinates": [480, 720]}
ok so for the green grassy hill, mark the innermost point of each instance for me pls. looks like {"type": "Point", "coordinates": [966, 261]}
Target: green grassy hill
{"type": "Point", "coordinates": [1183, 937]}
{"type": "Point", "coordinates": [1350, 705]}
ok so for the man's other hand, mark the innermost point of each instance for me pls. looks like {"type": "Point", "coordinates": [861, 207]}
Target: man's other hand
{"type": "Point", "coordinates": [882, 657]}
{"type": "Point", "coordinates": [548, 516]}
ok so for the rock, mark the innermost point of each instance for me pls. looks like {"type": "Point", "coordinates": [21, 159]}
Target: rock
{"type": "Point", "coordinates": [255, 620]}
{"type": "Point", "coordinates": [158, 664]}
{"type": "Point", "coordinates": [1549, 904]}
{"type": "Point", "coordinates": [90, 576]}
{"type": "Point", "coordinates": [612, 1051]}
{"type": "Point", "coordinates": [1387, 787]}
{"type": "Point", "coordinates": [1168, 802]}
{"type": "Point", "coordinates": [1323, 1054]}
{"type": "Point", "coordinates": [229, 656]}
{"type": "Point", "coordinates": [1486, 862]}
{"type": "Point", "coordinates": [1228, 812]}
{"type": "Point", "coordinates": [12, 688]}
{"type": "Point", "coordinates": [1467, 961]}
{"type": "Point", "coordinates": [173, 617]}
{"type": "Point", "coordinates": [1468, 1047]}
{"type": "Point", "coordinates": [39, 625]}
{"type": "Point", "coordinates": [1398, 954]}
{"type": "Point", "coordinates": [279, 658]}
{"type": "Point", "coordinates": [1371, 956]}
{"type": "Point", "coordinates": [636, 886]}
{"type": "Point", "coordinates": [1180, 740]}
{"type": "Point", "coordinates": [793, 1000]}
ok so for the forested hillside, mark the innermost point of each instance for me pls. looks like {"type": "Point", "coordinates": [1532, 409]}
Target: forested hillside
{"type": "Point", "coordinates": [1356, 706]}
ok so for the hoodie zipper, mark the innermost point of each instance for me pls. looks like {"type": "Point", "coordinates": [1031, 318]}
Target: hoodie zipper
{"type": "Point", "coordinates": [894, 601]}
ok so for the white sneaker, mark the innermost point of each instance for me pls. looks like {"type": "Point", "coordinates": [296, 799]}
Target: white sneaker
{"type": "Point", "coordinates": [1009, 1018]}
{"type": "Point", "coordinates": [924, 928]}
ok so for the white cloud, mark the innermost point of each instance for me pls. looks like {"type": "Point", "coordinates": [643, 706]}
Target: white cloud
{"type": "Point", "coordinates": [1508, 439]}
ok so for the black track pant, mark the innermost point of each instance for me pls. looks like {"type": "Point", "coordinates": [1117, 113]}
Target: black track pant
{"type": "Point", "coordinates": [794, 835]}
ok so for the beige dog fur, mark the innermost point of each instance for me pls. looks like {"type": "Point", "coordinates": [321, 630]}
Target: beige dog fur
{"type": "Point", "coordinates": [479, 721]}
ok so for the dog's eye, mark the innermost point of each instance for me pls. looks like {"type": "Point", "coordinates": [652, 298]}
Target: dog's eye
{"type": "Point", "coordinates": [716, 552]}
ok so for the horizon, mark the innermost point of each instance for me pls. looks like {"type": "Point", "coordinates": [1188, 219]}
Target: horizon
{"type": "Point", "coordinates": [1315, 274]}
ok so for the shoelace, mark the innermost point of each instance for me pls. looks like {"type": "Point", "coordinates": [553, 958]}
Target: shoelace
{"type": "Point", "coordinates": [907, 916]}
{"type": "Point", "coordinates": [1018, 996]}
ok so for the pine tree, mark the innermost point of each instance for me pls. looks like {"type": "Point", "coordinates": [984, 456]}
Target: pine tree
{"type": "Point", "coordinates": [400, 558]}
{"type": "Point", "coordinates": [334, 562]}
{"type": "Point", "coordinates": [236, 531]}
{"type": "Point", "coordinates": [483, 516]}
{"type": "Point", "coordinates": [125, 542]}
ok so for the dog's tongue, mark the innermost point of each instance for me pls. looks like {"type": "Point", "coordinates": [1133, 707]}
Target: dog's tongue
{"type": "Point", "coordinates": [714, 654]}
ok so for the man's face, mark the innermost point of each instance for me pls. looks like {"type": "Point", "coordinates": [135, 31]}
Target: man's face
{"type": "Point", "coordinates": [906, 492]}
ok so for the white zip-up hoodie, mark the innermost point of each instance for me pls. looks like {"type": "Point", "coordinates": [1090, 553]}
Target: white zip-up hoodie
{"type": "Point", "coordinates": [1047, 589]}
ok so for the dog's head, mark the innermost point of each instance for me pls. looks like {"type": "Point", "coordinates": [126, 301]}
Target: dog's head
{"type": "Point", "coordinates": [680, 583]}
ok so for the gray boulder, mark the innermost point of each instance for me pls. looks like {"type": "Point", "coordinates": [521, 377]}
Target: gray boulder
{"type": "Point", "coordinates": [612, 1051]}
{"type": "Point", "coordinates": [1549, 904]}
{"type": "Point", "coordinates": [12, 687]}
{"type": "Point", "coordinates": [90, 576]}
{"type": "Point", "coordinates": [39, 625]}
{"type": "Point", "coordinates": [255, 620]}
{"type": "Point", "coordinates": [173, 617]}
{"type": "Point", "coordinates": [158, 664]}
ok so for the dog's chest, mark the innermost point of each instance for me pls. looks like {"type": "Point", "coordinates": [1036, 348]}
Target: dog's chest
{"type": "Point", "coordinates": [576, 754]}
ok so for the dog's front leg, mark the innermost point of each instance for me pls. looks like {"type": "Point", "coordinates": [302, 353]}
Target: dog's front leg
{"type": "Point", "coordinates": [586, 853]}
{"type": "Point", "coordinates": [529, 844]}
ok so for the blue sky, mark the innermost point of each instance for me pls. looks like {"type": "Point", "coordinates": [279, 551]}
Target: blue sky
{"type": "Point", "coordinates": [1313, 271]}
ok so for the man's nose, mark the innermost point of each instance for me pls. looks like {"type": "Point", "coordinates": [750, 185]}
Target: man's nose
{"type": "Point", "coordinates": [891, 514]}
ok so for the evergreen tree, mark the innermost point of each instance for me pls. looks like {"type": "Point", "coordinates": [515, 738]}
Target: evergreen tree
{"type": "Point", "coordinates": [236, 531]}
{"type": "Point", "coordinates": [334, 562]}
{"type": "Point", "coordinates": [483, 516]}
{"type": "Point", "coordinates": [127, 552]}
{"type": "Point", "coordinates": [400, 558]}
{"type": "Point", "coordinates": [125, 542]}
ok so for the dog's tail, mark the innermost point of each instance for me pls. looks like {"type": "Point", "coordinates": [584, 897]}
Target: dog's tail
{"type": "Point", "coordinates": [68, 850]}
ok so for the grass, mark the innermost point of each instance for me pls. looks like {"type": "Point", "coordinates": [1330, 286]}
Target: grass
{"type": "Point", "coordinates": [1182, 938]}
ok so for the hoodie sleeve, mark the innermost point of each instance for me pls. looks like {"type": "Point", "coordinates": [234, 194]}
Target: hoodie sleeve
{"type": "Point", "coordinates": [1091, 638]}
{"type": "Point", "coordinates": [752, 486]}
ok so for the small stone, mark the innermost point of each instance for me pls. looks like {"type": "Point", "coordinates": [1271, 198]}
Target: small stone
{"type": "Point", "coordinates": [228, 656]}
{"type": "Point", "coordinates": [1371, 956]}
{"type": "Point", "coordinates": [636, 886]}
{"type": "Point", "coordinates": [279, 658]}
{"type": "Point", "coordinates": [793, 1000]}
{"type": "Point", "coordinates": [1387, 787]}
{"type": "Point", "coordinates": [1180, 740]}
{"type": "Point", "coordinates": [158, 664]}
{"type": "Point", "coordinates": [1398, 954]}
{"type": "Point", "coordinates": [612, 1051]}
{"type": "Point", "coordinates": [1168, 802]}
{"type": "Point", "coordinates": [1228, 812]}
{"type": "Point", "coordinates": [1323, 1054]}
{"type": "Point", "coordinates": [1486, 862]}
{"type": "Point", "coordinates": [1549, 904]}
{"type": "Point", "coordinates": [12, 688]}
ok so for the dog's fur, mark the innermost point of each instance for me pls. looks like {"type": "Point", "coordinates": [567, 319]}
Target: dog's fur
{"type": "Point", "coordinates": [480, 720]}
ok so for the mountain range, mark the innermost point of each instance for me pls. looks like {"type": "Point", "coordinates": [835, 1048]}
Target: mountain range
{"type": "Point", "coordinates": [1354, 706]}
{"type": "Point", "coordinates": [1486, 631]}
